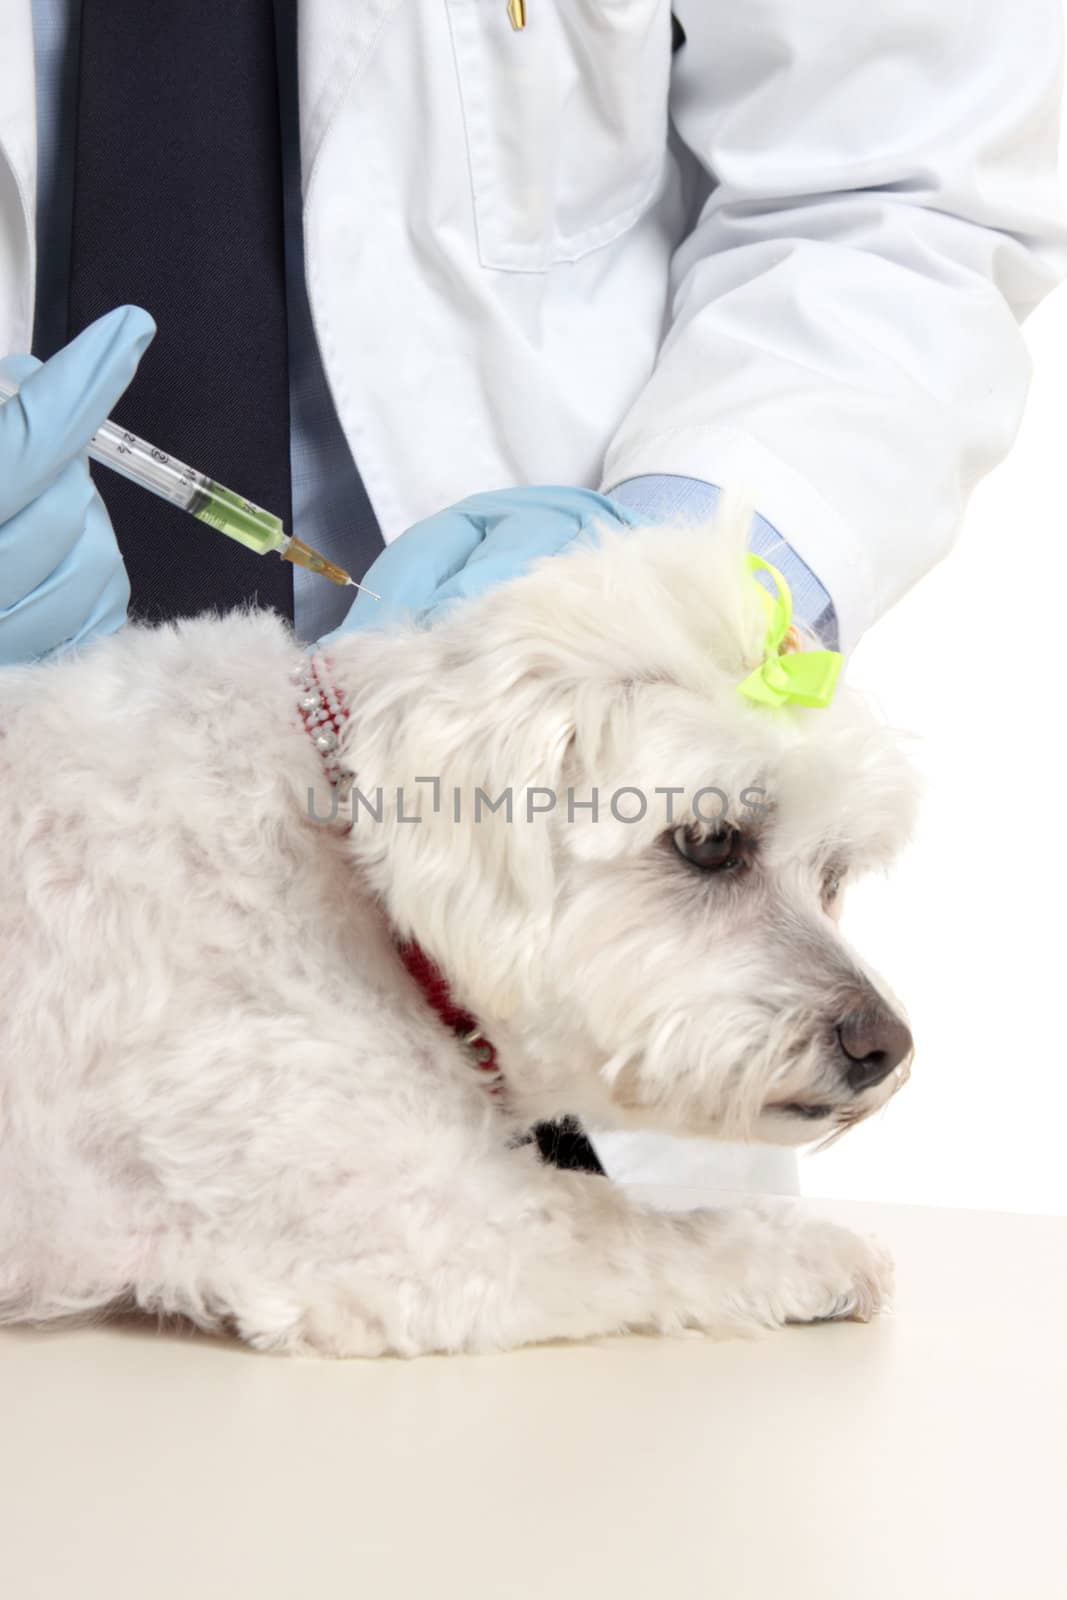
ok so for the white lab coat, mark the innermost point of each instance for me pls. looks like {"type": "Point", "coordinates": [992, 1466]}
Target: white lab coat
{"type": "Point", "coordinates": [794, 257]}
{"type": "Point", "coordinates": [516, 276]}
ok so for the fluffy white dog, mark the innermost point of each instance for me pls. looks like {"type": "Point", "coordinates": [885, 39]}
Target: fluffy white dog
{"type": "Point", "coordinates": [222, 1093]}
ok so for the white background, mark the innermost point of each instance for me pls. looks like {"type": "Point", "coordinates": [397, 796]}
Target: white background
{"type": "Point", "coordinates": [971, 928]}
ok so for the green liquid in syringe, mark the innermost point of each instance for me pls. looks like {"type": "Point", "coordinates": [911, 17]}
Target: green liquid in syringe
{"type": "Point", "coordinates": [239, 519]}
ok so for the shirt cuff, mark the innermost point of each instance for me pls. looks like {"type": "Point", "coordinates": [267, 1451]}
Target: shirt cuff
{"type": "Point", "coordinates": [666, 497]}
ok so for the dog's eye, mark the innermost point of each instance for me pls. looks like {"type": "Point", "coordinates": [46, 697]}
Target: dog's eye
{"type": "Point", "coordinates": [715, 851]}
{"type": "Point", "coordinates": [831, 885]}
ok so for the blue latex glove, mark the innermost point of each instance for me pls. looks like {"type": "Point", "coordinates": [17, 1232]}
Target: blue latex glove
{"type": "Point", "coordinates": [62, 579]}
{"type": "Point", "coordinates": [474, 546]}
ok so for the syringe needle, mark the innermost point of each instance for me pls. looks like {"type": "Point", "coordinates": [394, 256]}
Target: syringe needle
{"type": "Point", "coordinates": [303, 555]}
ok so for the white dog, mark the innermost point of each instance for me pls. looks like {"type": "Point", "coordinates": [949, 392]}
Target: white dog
{"type": "Point", "coordinates": [222, 1092]}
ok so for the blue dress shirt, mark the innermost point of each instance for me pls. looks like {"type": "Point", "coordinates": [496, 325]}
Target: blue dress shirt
{"type": "Point", "coordinates": [665, 497]}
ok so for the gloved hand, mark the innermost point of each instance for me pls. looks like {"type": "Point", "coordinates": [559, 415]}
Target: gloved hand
{"type": "Point", "coordinates": [473, 546]}
{"type": "Point", "coordinates": [61, 575]}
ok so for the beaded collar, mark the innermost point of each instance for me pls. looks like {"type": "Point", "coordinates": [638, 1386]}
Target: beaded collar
{"type": "Point", "coordinates": [324, 714]}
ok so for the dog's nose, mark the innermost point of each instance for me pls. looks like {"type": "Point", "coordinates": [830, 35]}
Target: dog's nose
{"type": "Point", "coordinates": [874, 1041]}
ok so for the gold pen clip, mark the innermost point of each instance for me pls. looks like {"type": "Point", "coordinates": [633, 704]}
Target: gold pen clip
{"type": "Point", "coordinates": [517, 14]}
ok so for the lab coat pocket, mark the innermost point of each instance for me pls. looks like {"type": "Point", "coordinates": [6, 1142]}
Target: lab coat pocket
{"type": "Point", "coordinates": [566, 122]}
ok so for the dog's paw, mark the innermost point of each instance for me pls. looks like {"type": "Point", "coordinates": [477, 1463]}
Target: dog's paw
{"type": "Point", "coordinates": [803, 1268]}
{"type": "Point", "coordinates": [832, 1274]}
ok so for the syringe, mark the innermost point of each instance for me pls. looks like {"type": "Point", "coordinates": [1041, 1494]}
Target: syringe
{"type": "Point", "coordinates": [208, 501]}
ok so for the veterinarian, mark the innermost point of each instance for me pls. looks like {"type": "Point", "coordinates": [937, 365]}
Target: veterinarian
{"type": "Point", "coordinates": [405, 252]}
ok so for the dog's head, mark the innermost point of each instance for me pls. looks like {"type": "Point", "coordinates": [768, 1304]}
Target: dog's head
{"type": "Point", "coordinates": [630, 873]}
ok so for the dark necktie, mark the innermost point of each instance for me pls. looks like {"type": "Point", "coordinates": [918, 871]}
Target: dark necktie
{"type": "Point", "coordinates": [178, 208]}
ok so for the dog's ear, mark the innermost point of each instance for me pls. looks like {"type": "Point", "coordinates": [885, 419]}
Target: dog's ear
{"type": "Point", "coordinates": [458, 747]}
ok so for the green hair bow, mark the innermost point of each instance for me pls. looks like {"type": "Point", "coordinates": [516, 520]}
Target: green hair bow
{"type": "Point", "coordinates": [801, 677]}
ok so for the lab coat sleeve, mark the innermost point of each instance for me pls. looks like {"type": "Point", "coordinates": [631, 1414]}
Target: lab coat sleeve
{"type": "Point", "coordinates": [879, 211]}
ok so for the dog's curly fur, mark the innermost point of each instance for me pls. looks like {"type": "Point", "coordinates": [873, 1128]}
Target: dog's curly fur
{"type": "Point", "coordinates": [222, 1096]}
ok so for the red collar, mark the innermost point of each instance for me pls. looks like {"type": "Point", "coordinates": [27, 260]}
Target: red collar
{"type": "Point", "coordinates": [324, 713]}
{"type": "Point", "coordinates": [434, 985]}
